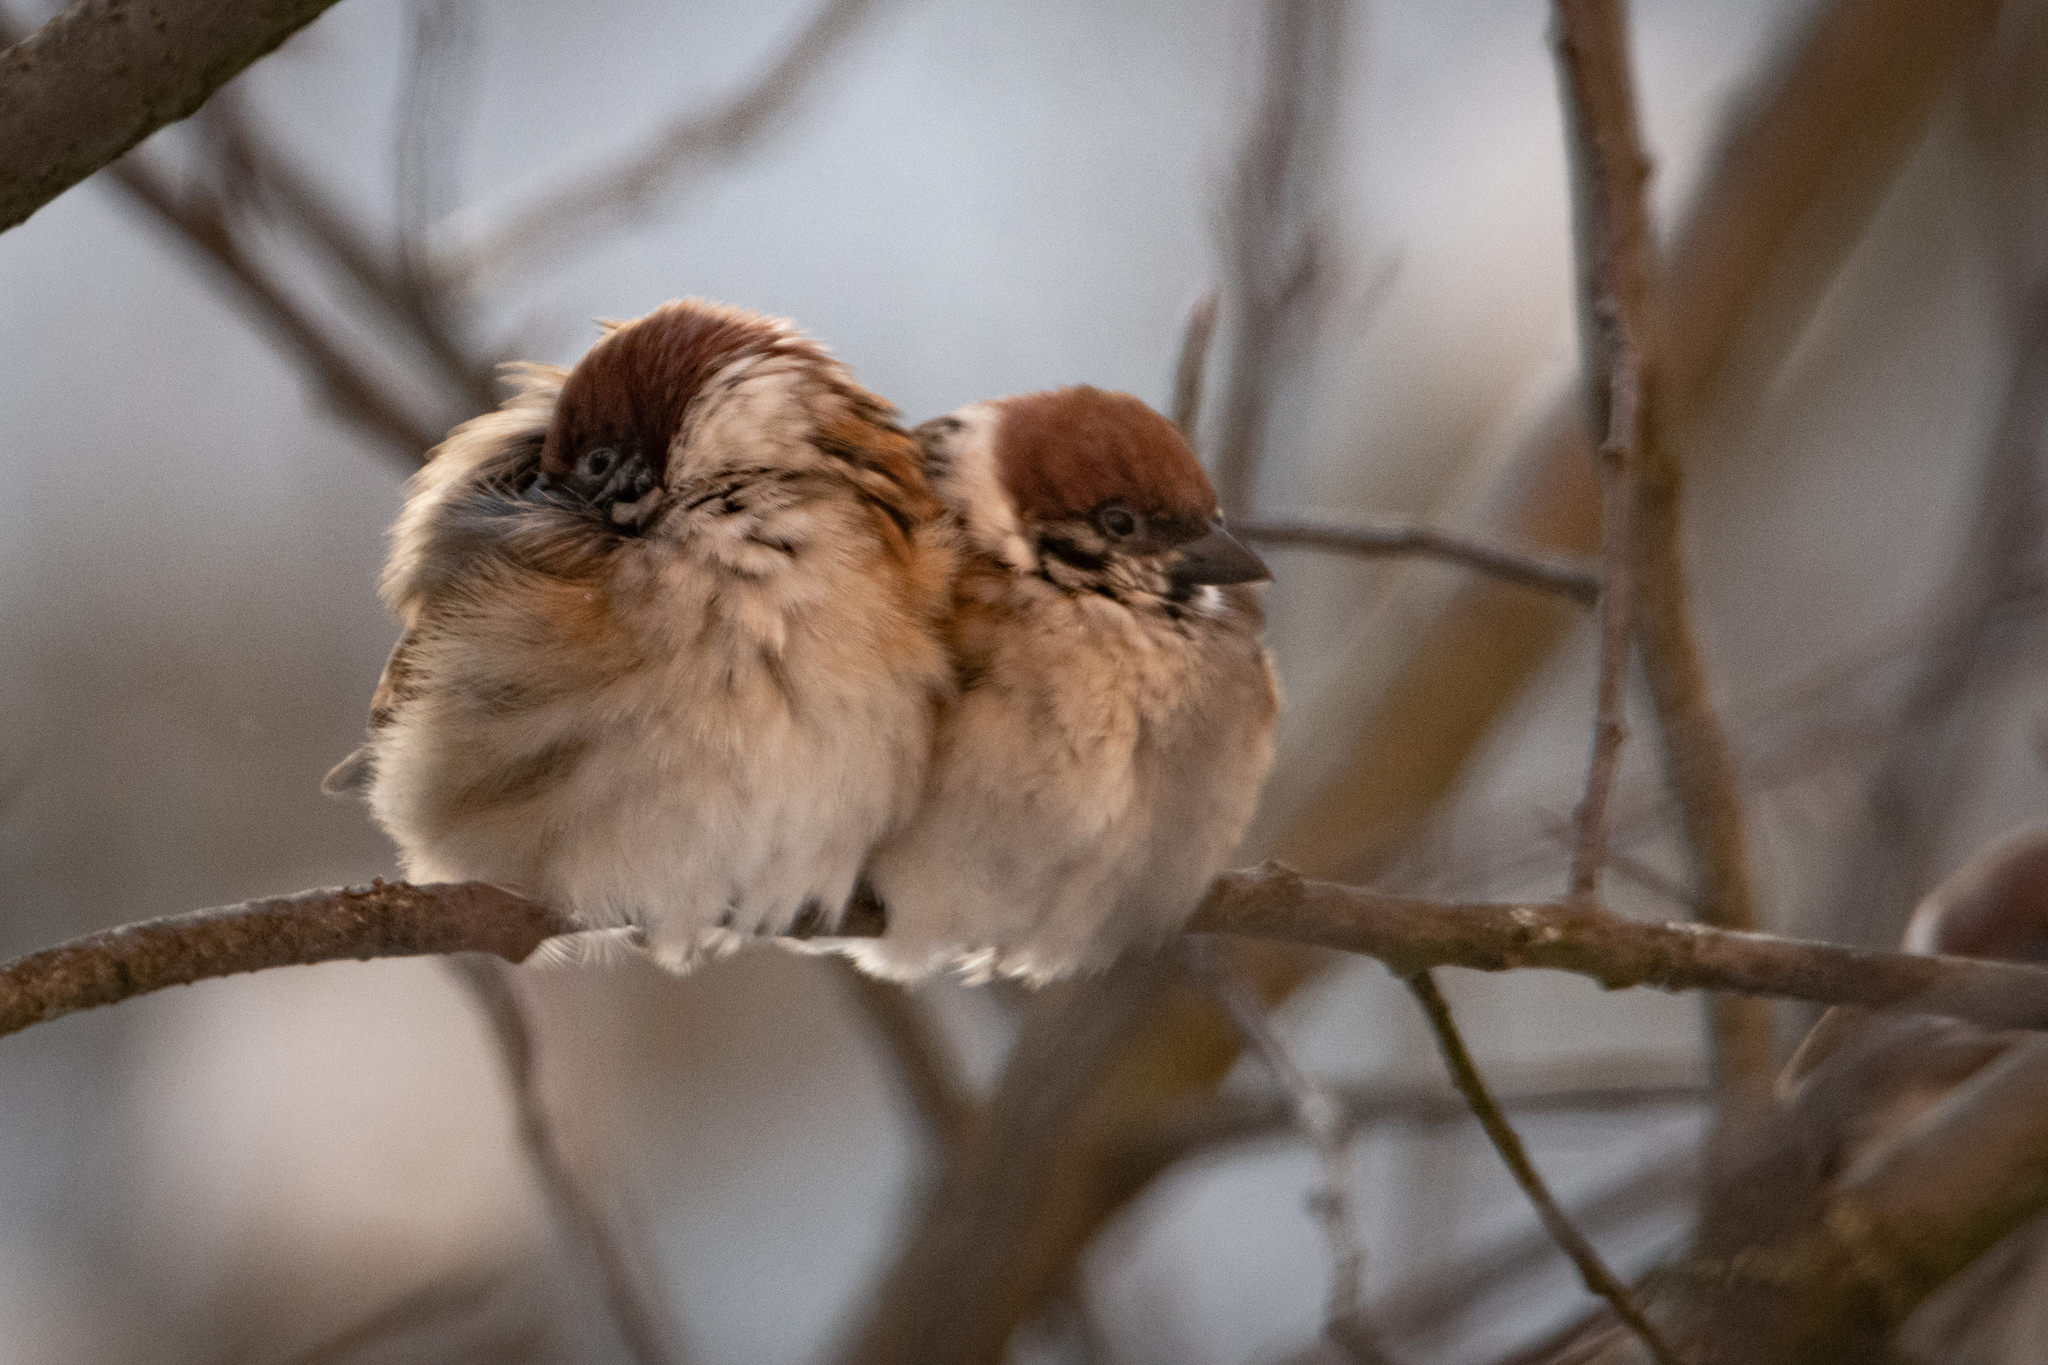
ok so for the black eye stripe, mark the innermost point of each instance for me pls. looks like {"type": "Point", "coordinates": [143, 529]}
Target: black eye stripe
{"type": "Point", "coordinates": [1067, 552]}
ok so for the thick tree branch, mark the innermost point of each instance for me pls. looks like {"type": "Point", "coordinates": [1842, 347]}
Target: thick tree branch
{"type": "Point", "coordinates": [105, 74]}
{"type": "Point", "coordinates": [1376, 542]}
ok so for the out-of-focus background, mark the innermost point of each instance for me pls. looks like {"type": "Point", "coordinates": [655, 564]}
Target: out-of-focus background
{"type": "Point", "coordinates": [962, 200]}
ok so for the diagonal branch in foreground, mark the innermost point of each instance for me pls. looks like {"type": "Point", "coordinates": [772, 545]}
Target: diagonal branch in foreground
{"type": "Point", "coordinates": [105, 74]}
{"type": "Point", "coordinates": [394, 919]}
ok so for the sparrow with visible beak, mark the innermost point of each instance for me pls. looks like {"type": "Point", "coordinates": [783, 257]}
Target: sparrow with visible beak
{"type": "Point", "coordinates": [672, 637]}
{"type": "Point", "coordinates": [1116, 707]}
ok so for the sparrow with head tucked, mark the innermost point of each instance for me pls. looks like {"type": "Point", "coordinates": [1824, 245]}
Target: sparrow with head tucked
{"type": "Point", "coordinates": [1116, 708]}
{"type": "Point", "coordinates": [671, 653]}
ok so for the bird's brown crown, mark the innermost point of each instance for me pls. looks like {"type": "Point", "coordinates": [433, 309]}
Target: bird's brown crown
{"type": "Point", "coordinates": [630, 390]}
{"type": "Point", "coordinates": [1066, 453]}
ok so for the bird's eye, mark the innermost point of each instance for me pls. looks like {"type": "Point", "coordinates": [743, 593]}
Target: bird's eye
{"type": "Point", "coordinates": [598, 463]}
{"type": "Point", "coordinates": [1116, 522]}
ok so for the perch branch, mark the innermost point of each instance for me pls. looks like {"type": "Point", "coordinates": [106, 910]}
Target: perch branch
{"type": "Point", "coordinates": [1375, 542]}
{"type": "Point", "coordinates": [1415, 935]}
{"type": "Point", "coordinates": [105, 74]}
{"type": "Point", "coordinates": [1599, 1279]}
{"type": "Point", "coordinates": [383, 919]}
{"type": "Point", "coordinates": [393, 919]}
{"type": "Point", "coordinates": [489, 986]}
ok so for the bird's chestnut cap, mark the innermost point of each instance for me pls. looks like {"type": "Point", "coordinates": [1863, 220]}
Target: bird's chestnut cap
{"type": "Point", "coordinates": [1086, 454]}
{"type": "Point", "coordinates": [630, 391]}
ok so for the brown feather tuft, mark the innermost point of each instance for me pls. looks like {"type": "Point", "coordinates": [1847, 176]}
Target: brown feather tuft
{"type": "Point", "coordinates": [631, 390]}
{"type": "Point", "coordinates": [1065, 453]}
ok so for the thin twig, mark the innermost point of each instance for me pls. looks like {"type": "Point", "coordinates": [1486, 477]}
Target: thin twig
{"type": "Point", "coordinates": [1598, 1278]}
{"type": "Point", "coordinates": [1193, 364]}
{"type": "Point", "coordinates": [1664, 1183]}
{"type": "Point", "coordinates": [1375, 542]}
{"type": "Point", "coordinates": [1598, 1086]}
{"type": "Point", "coordinates": [1326, 1126]}
{"type": "Point", "coordinates": [923, 1066]}
{"type": "Point", "coordinates": [1830, 119]}
{"type": "Point", "coordinates": [490, 987]}
{"type": "Point", "coordinates": [1641, 473]}
{"type": "Point", "coordinates": [1611, 229]}
{"type": "Point", "coordinates": [276, 185]}
{"type": "Point", "coordinates": [572, 215]}
{"type": "Point", "coordinates": [1272, 242]}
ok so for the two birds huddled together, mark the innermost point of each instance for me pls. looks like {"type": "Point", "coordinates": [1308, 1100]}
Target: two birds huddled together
{"type": "Point", "coordinates": [698, 641]}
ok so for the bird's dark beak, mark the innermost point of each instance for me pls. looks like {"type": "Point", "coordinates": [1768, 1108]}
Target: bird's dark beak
{"type": "Point", "coordinates": [1218, 558]}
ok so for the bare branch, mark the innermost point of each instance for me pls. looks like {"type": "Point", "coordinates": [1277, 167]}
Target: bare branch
{"type": "Point", "coordinates": [489, 985]}
{"type": "Point", "coordinates": [105, 74]}
{"type": "Point", "coordinates": [1271, 242]}
{"type": "Point", "coordinates": [1612, 231]}
{"type": "Point", "coordinates": [432, 1304]}
{"type": "Point", "coordinates": [1598, 1086]}
{"type": "Point", "coordinates": [383, 919]}
{"type": "Point", "coordinates": [1375, 542]}
{"type": "Point", "coordinates": [1415, 935]}
{"type": "Point", "coordinates": [1326, 1126]}
{"type": "Point", "coordinates": [393, 919]}
{"type": "Point", "coordinates": [1599, 1279]}
{"type": "Point", "coordinates": [202, 222]}
{"type": "Point", "coordinates": [1193, 364]}
{"type": "Point", "coordinates": [1800, 164]}
{"type": "Point", "coordinates": [572, 215]}
{"type": "Point", "coordinates": [924, 1068]}
{"type": "Point", "coordinates": [1663, 1183]}
{"type": "Point", "coordinates": [275, 184]}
